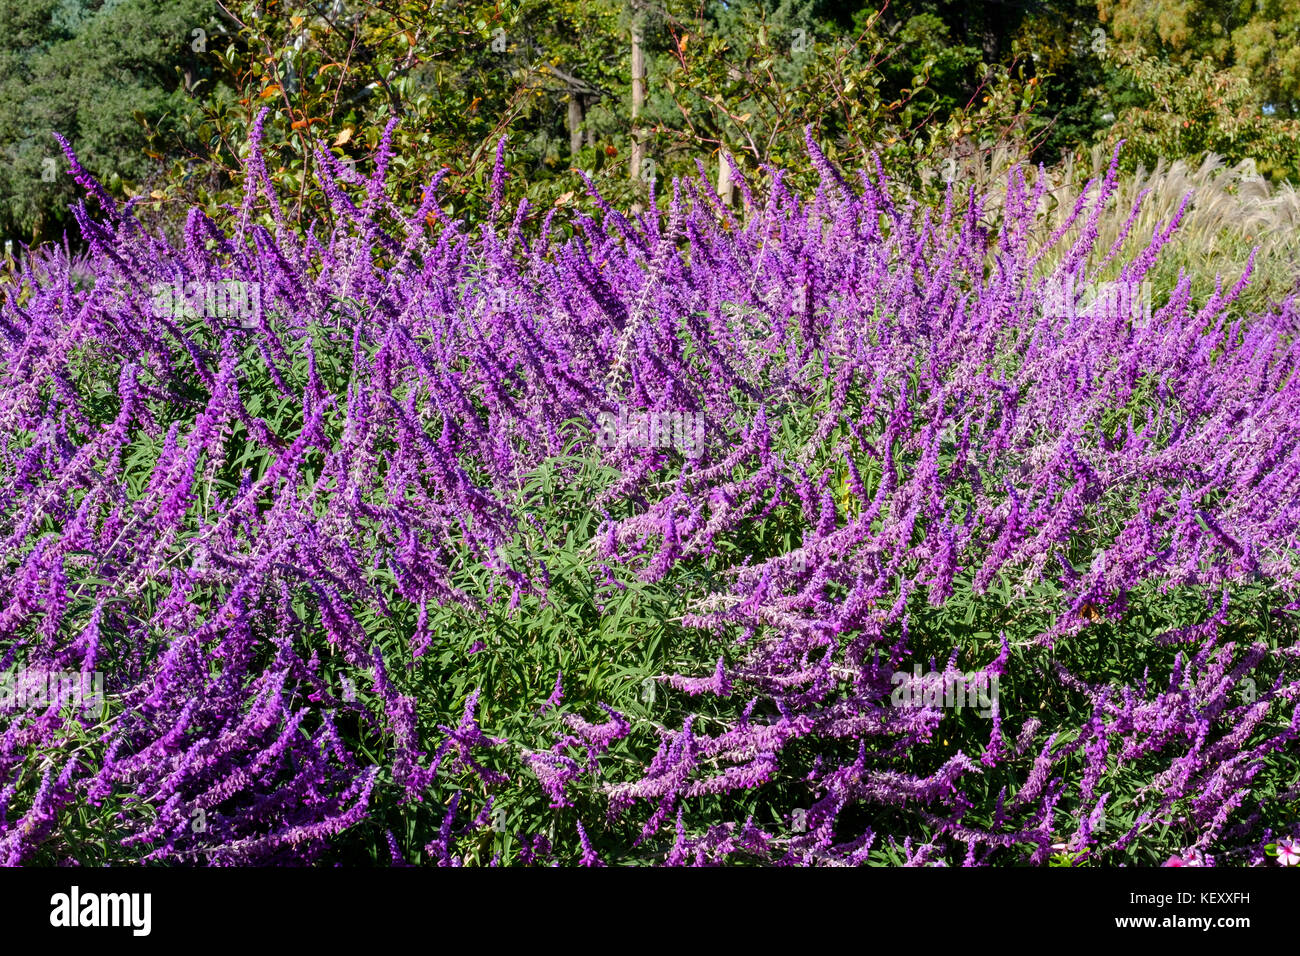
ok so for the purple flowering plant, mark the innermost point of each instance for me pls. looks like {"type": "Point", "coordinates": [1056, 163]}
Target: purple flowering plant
{"type": "Point", "coordinates": [364, 586]}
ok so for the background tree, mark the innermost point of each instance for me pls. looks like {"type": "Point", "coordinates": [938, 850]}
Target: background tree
{"type": "Point", "coordinates": [917, 82]}
{"type": "Point", "coordinates": [1260, 37]}
{"type": "Point", "coordinates": [83, 68]}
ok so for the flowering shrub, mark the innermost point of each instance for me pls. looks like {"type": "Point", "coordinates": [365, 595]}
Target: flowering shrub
{"type": "Point", "coordinates": [364, 584]}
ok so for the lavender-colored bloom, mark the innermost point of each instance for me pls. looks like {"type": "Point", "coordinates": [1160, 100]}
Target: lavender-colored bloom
{"type": "Point", "coordinates": [891, 384]}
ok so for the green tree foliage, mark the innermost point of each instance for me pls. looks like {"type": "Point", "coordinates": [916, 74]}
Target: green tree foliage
{"type": "Point", "coordinates": [456, 77]}
{"type": "Point", "coordinates": [750, 79]}
{"type": "Point", "coordinates": [1188, 111]}
{"type": "Point", "coordinates": [919, 83]}
{"type": "Point", "coordinates": [555, 75]}
{"type": "Point", "coordinates": [83, 68]}
{"type": "Point", "coordinates": [1054, 42]}
{"type": "Point", "coordinates": [1259, 37]}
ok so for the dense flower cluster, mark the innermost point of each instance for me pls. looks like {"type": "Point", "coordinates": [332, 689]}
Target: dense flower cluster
{"type": "Point", "coordinates": [222, 533]}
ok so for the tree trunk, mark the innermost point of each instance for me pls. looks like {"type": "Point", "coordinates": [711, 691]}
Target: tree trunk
{"type": "Point", "coordinates": [638, 102]}
{"type": "Point", "coordinates": [575, 125]}
{"type": "Point", "coordinates": [725, 188]}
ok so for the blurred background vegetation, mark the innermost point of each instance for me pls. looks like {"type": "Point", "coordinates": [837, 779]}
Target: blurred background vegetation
{"type": "Point", "coordinates": [158, 97]}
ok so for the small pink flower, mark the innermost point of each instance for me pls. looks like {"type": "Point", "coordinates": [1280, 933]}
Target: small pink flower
{"type": "Point", "coordinates": [1174, 861]}
{"type": "Point", "coordinates": [1288, 853]}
